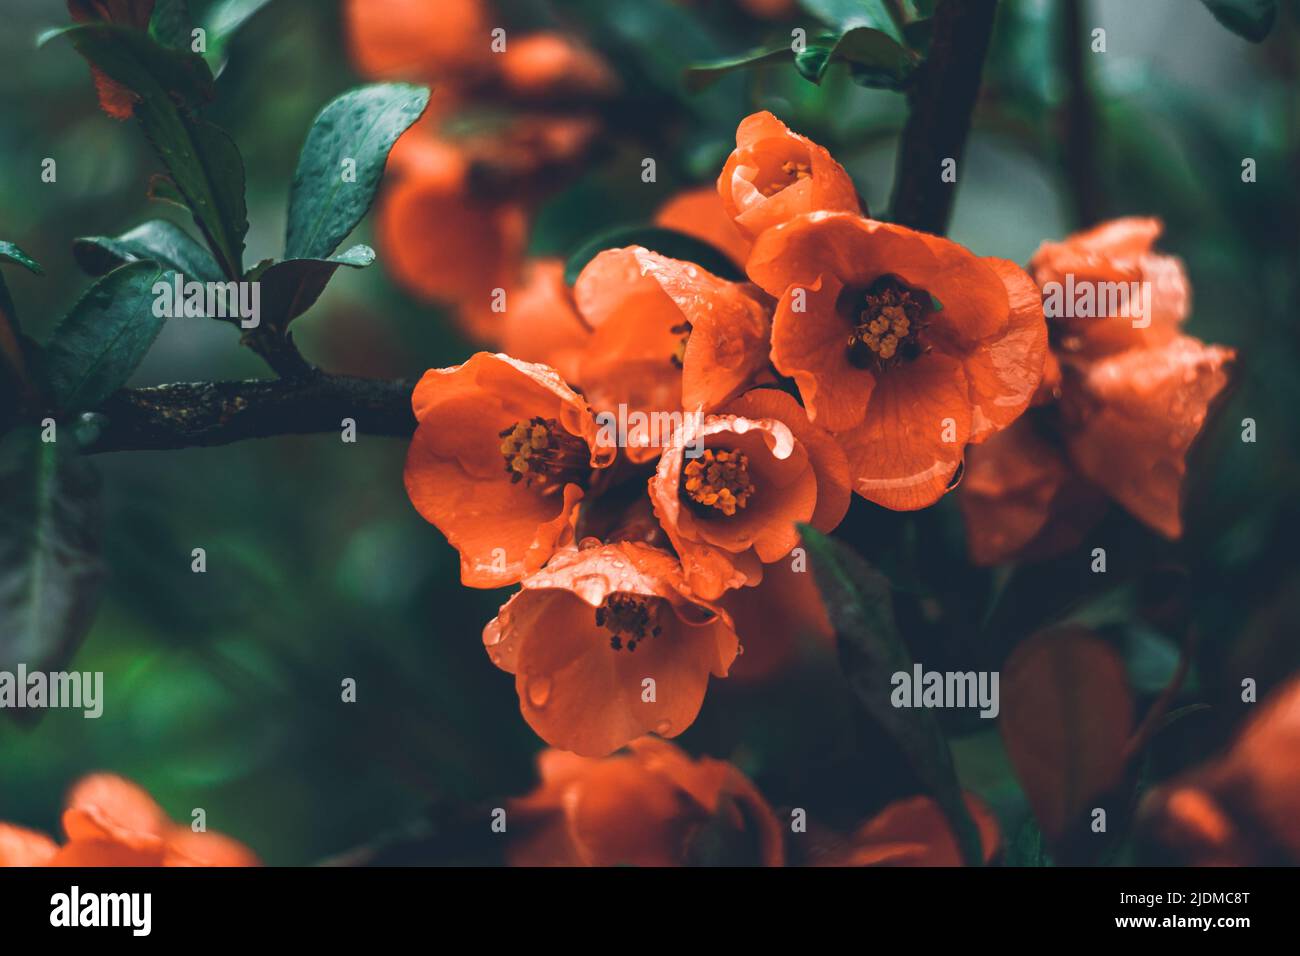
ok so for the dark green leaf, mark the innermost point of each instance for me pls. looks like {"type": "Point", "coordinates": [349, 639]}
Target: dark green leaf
{"type": "Point", "coordinates": [875, 59]}
{"type": "Point", "coordinates": [1252, 19]}
{"type": "Point", "coordinates": [49, 549]}
{"type": "Point", "coordinates": [158, 239]}
{"type": "Point", "coordinates": [101, 341]}
{"type": "Point", "coordinates": [858, 602]}
{"type": "Point", "coordinates": [224, 20]}
{"type": "Point", "coordinates": [703, 75]}
{"type": "Point", "coordinates": [812, 62]}
{"type": "Point", "coordinates": [170, 24]}
{"type": "Point", "coordinates": [201, 159]}
{"type": "Point", "coordinates": [666, 242]}
{"type": "Point", "coordinates": [11, 253]}
{"type": "Point", "coordinates": [291, 287]}
{"type": "Point", "coordinates": [848, 14]}
{"type": "Point", "coordinates": [361, 125]}
{"type": "Point", "coordinates": [15, 382]}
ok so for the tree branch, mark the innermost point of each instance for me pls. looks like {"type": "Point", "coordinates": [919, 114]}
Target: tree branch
{"type": "Point", "coordinates": [940, 103]}
{"type": "Point", "coordinates": [1079, 118]}
{"type": "Point", "coordinates": [193, 414]}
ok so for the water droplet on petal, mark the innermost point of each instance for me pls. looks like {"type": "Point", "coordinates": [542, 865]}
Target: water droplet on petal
{"type": "Point", "coordinates": [538, 690]}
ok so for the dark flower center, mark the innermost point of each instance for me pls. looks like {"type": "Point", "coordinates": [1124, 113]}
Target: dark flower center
{"type": "Point", "coordinates": [718, 480]}
{"type": "Point", "coordinates": [541, 452]}
{"type": "Point", "coordinates": [629, 618]}
{"type": "Point", "coordinates": [887, 320]}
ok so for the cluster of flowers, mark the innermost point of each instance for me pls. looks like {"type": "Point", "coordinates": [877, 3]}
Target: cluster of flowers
{"type": "Point", "coordinates": [860, 357]}
{"type": "Point", "coordinates": [652, 805]}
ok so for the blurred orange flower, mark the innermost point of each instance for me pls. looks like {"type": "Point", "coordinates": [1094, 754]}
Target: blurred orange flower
{"type": "Point", "coordinates": [906, 345]}
{"type": "Point", "coordinates": [772, 617]}
{"type": "Point", "coordinates": [541, 322]}
{"type": "Point", "coordinates": [668, 336]}
{"type": "Point", "coordinates": [584, 635]}
{"type": "Point", "coordinates": [110, 821]}
{"type": "Point", "coordinates": [775, 174]}
{"type": "Point", "coordinates": [1131, 393]}
{"type": "Point", "coordinates": [500, 458]}
{"type": "Point", "coordinates": [911, 832]}
{"type": "Point", "coordinates": [443, 242]}
{"type": "Point", "coordinates": [418, 39]}
{"type": "Point", "coordinates": [1242, 809]}
{"type": "Point", "coordinates": [730, 490]}
{"type": "Point", "coordinates": [651, 805]}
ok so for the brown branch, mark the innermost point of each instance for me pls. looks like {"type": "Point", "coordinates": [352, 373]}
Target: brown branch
{"type": "Point", "coordinates": [194, 414]}
{"type": "Point", "coordinates": [940, 103]}
{"type": "Point", "coordinates": [1079, 118]}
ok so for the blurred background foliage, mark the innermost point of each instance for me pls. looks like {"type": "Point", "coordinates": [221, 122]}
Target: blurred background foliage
{"type": "Point", "coordinates": [223, 689]}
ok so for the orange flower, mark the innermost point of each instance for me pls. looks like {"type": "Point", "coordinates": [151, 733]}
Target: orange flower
{"type": "Point", "coordinates": [912, 832]}
{"type": "Point", "coordinates": [904, 344]}
{"type": "Point", "coordinates": [112, 822]}
{"type": "Point", "coordinates": [730, 489]}
{"type": "Point", "coordinates": [1243, 808]}
{"type": "Point", "coordinates": [668, 336]}
{"type": "Point", "coordinates": [1132, 396]}
{"type": "Point", "coordinates": [772, 617]}
{"type": "Point", "coordinates": [585, 634]}
{"type": "Point", "coordinates": [439, 240]}
{"type": "Point", "coordinates": [422, 39]}
{"type": "Point", "coordinates": [1099, 265]}
{"type": "Point", "coordinates": [544, 65]}
{"type": "Point", "coordinates": [114, 99]}
{"type": "Point", "coordinates": [1131, 418]}
{"type": "Point", "coordinates": [541, 322]}
{"type": "Point", "coordinates": [699, 212]}
{"type": "Point", "coordinates": [775, 174]}
{"type": "Point", "coordinates": [1021, 499]}
{"type": "Point", "coordinates": [650, 805]}
{"type": "Point", "coordinates": [499, 461]}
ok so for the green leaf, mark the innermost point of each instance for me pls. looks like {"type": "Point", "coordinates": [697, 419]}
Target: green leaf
{"type": "Point", "coordinates": [49, 549]}
{"type": "Point", "coordinates": [291, 287]}
{"type": "Point", "coordinates": [848, 14]}
{"type": "Point", "coordinates": [170, 24]}
{"type": "Point", "coordinates": [158, 239]}
{"type": "Point", "coordinates": [106, 335]}
{"type": "Point", "coordinates": [1252, 19]}
{"type": "Point", "coordinates": [201, 159]}
{"type": "Point", "coordinates": [700, 76]}
{"type": "Point", "coordinates": [11, 253]}
{"type": "Point", "coordinates": [361, 125]}
{"type": "Point", "coordinates": [666, 242]}
{"type": "Point", "coordinates": [858, 602]}
{"type": "Point", "coordinates": [224, 20]}
{"type": "Point", "coordinates": [874, 58]}
{"type": "Point", "coordinates": [15, 382]}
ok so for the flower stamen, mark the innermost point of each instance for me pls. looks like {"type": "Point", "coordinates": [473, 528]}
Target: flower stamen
{"type": "Point", "coordinates": [629, 618]}
{"type": "Point", "coordinates": [886, 326]}
{"type": "Point", "coordinates": [793, 170]}
{"type": "Point", "coordinates": [541, 452]}
{"type": "Point", "coordinates": [719, 480]}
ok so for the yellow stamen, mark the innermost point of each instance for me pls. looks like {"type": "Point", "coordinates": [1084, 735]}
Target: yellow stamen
{"type": "Point", "coordinates": [794, 171]}
{"type": "Point", "coordinates": [541, 452]}
{"type": "Point", "coordinates": [718, 480]}
{"type": "Point", "coordinates": [889, 319]}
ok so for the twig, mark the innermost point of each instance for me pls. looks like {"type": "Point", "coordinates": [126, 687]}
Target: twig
{"type": "Point", "coordinates": [1079, 119]}
{"type": "Point", "coordinates": [217, 413]}
{"type": "Point", "coordinates": [941, 101]}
